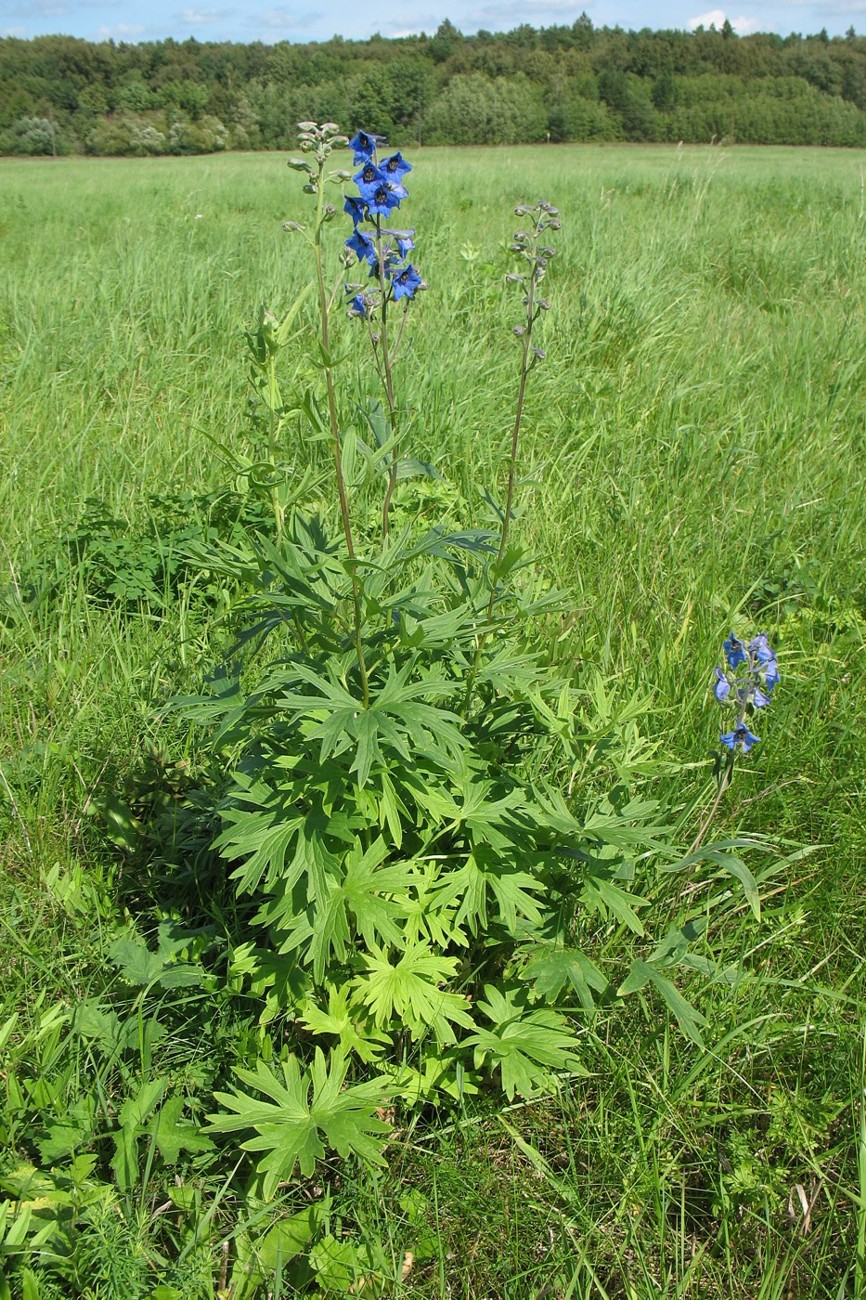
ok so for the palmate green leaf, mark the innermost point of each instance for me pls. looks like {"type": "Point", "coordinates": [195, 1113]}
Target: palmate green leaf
{"type": "Point", "coordinates": [485, 874]}
{"type": "Point", "coordinates": [365, 903]}
{"type": "Point", "coordinates": [338, 1020]}
{"type": "Point", "coordinates": [409, 991]}
{"type": "Point", "coordinates": [173, 1134]}
{"type": "Point", "coordinates": [265, 837]}
{"type": "Point", "coordinates": [688, 1018]}
{"type": "Point", "coordinates": [551, 969]}
{"type": "Point", "coordinates": [305, 1114]}
{"type": "Point", "coordinates": [399, 717]}
{"type": "Point", "coordinates": [526, 1045]}
{"type": "Point", "coordinates": [601, 895]}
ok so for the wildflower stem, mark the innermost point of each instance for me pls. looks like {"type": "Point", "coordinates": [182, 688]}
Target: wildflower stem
{"type": "Point", "coordinates": [387, 377]}
{"type": "Point", "coordinates": [515, 441]}
{"type": "Point", "coordinates": [335, 439]}
{"type": "Point", "coordinates": [724, 783]}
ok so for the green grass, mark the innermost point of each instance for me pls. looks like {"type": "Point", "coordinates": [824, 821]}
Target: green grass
{"type": "Point", "coordinates": [695, 456]}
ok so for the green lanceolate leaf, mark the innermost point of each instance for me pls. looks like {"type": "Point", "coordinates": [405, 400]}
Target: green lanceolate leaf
{"type": "Point", "coordinates": [688, 1018]}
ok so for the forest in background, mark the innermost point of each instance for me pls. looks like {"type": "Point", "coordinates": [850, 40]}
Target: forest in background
{"type": "Point", "coordinates": [61, 95]}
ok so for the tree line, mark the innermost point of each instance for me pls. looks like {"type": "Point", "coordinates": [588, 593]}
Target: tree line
{"type": "Point", "coordinates": [61, 95]}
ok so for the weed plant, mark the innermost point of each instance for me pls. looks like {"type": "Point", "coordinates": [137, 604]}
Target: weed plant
{"type": "Point", "coordinates": [683, 462]}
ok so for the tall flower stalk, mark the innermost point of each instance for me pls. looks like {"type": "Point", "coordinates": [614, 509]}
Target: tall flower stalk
{"type": "Point", "coordinates": [321, 141]}
{"type": "Point", "coordinates": [534, 250]}
{"type": "Point", "coordinates": [383, 250]}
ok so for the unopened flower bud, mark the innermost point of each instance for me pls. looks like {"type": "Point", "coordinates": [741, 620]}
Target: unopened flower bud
{"type": "Point", "coordinates": [306, 126]}
{"type": "Point", "coordinates": [519, 331]}
{"type": "Point", "coordinates": [539, 353]}
{"type": "Point", "coordinates": [329, 128]}
{"type": "Point", "coordinates": [292, 225]}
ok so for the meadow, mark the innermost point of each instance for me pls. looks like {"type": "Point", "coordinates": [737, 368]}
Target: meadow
{"type": "Point", "coordinates": [694, 461]}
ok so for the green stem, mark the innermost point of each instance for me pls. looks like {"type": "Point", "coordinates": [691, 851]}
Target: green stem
{"type": "Point", "coordinates": [388, 380]}
{"type": "Point", "coordinates": [335, 440]}
{"type": "Point", "coordinates": [509, 494]}
{"type": "Point", "coordinates": [724, 783]}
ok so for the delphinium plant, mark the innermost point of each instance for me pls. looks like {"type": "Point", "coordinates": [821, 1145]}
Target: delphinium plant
{"type": "Point", "coordinates": [429, 877]}
{"type": "Point", "coordinates": [744, 686]}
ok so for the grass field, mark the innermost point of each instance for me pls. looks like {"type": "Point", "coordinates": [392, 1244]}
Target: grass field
{"type": "Point", "coordinates": [695, 459]}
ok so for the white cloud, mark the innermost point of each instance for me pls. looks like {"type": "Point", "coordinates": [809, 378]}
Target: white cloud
{"type": "Point", "coordinates": [192, 17]}
{"type": "Point", "coordinates": [120, 32]}
{"type": "Point", "coordinates": [283, 20]}
{"type": "Point", "coordinates": [500, 17]}
{"type": "Point", "coordinates": [717, 18]}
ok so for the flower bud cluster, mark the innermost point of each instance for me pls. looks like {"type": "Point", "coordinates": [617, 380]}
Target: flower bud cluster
{"type": "Point", "coordinates": [533, 249]}
{"type": "Point", "coordinates": [321, 142]}
{"type": "Point", "coordinates": [746, 683]}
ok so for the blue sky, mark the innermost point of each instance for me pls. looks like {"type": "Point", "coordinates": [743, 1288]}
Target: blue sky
{"type": "Point", "coordinates": [302, 20]}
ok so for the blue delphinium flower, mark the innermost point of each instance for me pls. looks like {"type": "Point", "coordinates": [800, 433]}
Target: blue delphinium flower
{"type": "Point", "coordinates": [363, 146]}
{"type": "Point", "coordinates": [363, 246]}
{"type": "Point", "coordinates": [359, 305]}
{"type": "Point", "coordinates": [406, 282]}
{"type": "Point", "coordinates": [382, 197]}
{"type": "Point", "coordinates": [741, 738]}
{"type": "Point", "coordinates": [396, 167]}
{"type": "Point", "coordinates": [771, 675]}
{"type": "Point", "coordinates": [356, 208]}
{"type": "Point", "coordinates": [369, 175]}
{"type": "Point", "coordinates": [380, 192]}
{"type": "Point", "coordinates": [722, 688]}
{"type": "Point", "coordinates": [405, 240]}
{"type": "Point", "coordinates": [735, 651]}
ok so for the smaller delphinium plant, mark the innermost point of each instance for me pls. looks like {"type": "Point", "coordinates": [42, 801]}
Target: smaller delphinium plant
{"type": "Point", "coordinates": [744, 685]}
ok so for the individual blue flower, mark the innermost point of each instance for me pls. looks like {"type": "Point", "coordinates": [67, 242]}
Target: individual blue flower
{"type": "Point", "coordinates": [359, 305]}
{"type": "Point", "coordinates": [363, 146]}
{"type": "Point", "coordinates": [363, 247]}
{"type": "Point", "coordinates": [382, 197]}
{"type": "Point", "coordinates": [771, 675]}
{"type": "Point", "coordinates": [390, 259]}
{"type": "Point", "coordinates": [759, 646]}
{"type": "Point", "coordinates": [741, 738]}
{"type": "Point", "coordinates": [395, 167]}
{"type": "Point", "coordinates": [356, 208]}
{"type": "Point", "coordinates": [722, 688]}
{"type": "Point", "coordinates": [405, 240]}
{"type": "Point", "coordinates": [406, 282]}
{"type": "Point", "coordinates": [735, 651]}
{"type": "Point", "coordinates": [760, 699]}
{"type": "Point", "coordinates": [369, 176]}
